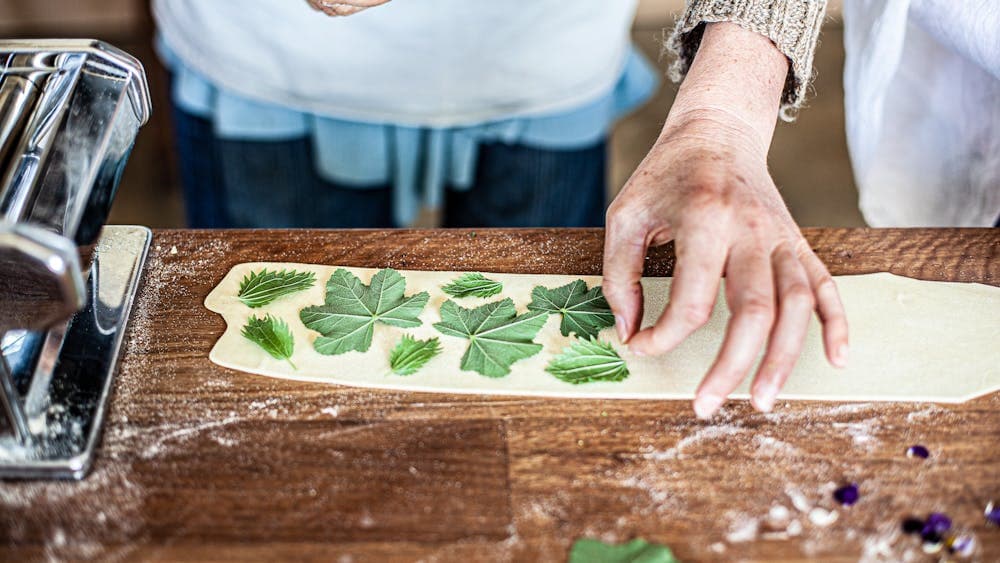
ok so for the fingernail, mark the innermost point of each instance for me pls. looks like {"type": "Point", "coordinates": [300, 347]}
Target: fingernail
{"type": "Point", "coordinates": [706, 405]}
{"type": "Point", "coordinates": [620, 328]}
{"type": "Point", "coordinates": [842, 353]}
{"type": "Point", "coordinates": [636, 351]}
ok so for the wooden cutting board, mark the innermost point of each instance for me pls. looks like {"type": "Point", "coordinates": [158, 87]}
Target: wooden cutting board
{"type": "Point", "coordinates": [200, 462]}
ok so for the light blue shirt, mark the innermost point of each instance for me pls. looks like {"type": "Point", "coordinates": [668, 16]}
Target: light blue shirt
{"type": "Point", "coordinates": [419, 162]}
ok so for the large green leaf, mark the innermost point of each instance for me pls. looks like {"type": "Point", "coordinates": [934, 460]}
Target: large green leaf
{"type": "Point", "coordinates": [497, 335]}
{"type": "Point", "coordinates": [347, 318]}
{"type": "Point", "coordinates": [583, 311]}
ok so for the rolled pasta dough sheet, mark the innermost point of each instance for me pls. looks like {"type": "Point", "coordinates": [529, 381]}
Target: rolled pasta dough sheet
{"type": "Point", "coordinates": [910, 340]}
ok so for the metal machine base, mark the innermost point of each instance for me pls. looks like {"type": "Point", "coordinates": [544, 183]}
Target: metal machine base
{"type": "Point", "coordinates": [61, 379]}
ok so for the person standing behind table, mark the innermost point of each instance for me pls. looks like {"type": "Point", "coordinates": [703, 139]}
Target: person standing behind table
{"type": "Point", "coordinates": [537, 73]}
{"type": "Point", "coordinates": [497, 111]}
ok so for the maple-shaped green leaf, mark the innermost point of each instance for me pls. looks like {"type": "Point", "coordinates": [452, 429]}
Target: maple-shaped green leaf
{"type": "Point", "coordinates": [271, 334]}
{"type": "Point", "coordinates": [583, 311]}
{"type": "Point", "coordinates": [411, 354]}
{"type": "Point", "coordinates": [590, 360]}
{"type": "Point", "coordinates": [260, 288]}
{"type": "Point", "coordinates": [497, 335]}
{"type": "Point", "coordinates": [473, 284]}
{"type": "Point", "coordinates": [588, 550]}
{"type": "Point", "coordinates": [347, 318]}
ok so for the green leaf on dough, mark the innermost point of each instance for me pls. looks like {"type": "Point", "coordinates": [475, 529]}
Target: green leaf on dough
{"type": "Point", "coordinates": [347, 319]}
{"type": "Point", "coordinates": [260, 288]}
{"type": "Point", "coordinates": [584, 312]}
{"type": "Point", "coordinates": [497, 335]}
{"type": "Point", "coordinates": [473, 284]}
{"type": "Point", "coordinates": [585, 361]}
{"type": "Point", "coordinates": [271, 334]}
{"type": "Point", "coordinates": [411, 354]}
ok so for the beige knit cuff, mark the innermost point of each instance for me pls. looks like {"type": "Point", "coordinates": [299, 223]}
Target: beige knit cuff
{"type": "Point", "coordinates": [793, 26]}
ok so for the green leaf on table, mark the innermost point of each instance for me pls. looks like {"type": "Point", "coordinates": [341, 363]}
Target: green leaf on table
{"type": "Point", "coordinates": [587, 550]}
{"type": "Point", "coordinates": [585, 361]}
{"type": "Point", "coordinates": [271, 334]}
{"type": "Point", "coordinates": [473, 284]}
{"type": "Point", "coordinates": [260, 288]}
{"type": "Point", "coordinates": [411, 354]}
{"type": "Point", "coordinates": [583, 311]}
{"type": "Point", "coordinates": [347, 319]}
{"type": "Point", "coordinates": [497, 335]}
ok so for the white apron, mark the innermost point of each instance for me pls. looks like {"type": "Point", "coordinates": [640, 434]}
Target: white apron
{"type": "Point", "coordinates": [922, 96]}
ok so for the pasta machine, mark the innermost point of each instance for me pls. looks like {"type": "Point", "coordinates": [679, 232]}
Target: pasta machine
{"type": "Point", "coordinates": [69, 114]}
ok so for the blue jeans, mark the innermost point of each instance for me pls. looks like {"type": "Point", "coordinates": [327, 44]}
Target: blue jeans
{"type": "Point", "coordinates": [273, 184]}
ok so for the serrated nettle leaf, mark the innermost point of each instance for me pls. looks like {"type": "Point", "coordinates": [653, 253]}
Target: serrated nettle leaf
{"type": "Point", "coordinates": [272, 335]}
{"type": "Point", "coordinates": [411, 354]}
{"type": "Point", "coordinates": [497, 335]}
{"type": "Point", "coordinates": [584, 312]}
{"type": "Point", "coordinates": [347, 319]}
{"type": "Point", "coordinates": [260, 288]}
{"type": "Point", "coordinates": [585, 361]}
{"type": "Point", "coordinates": [473, 284]}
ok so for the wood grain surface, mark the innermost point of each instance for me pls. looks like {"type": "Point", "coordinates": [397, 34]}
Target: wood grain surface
{"type": "Point", "coordinates": [203, 463]}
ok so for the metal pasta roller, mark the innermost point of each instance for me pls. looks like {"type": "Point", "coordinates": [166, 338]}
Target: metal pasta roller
{"type": "Point", "coordinates": [69, 114]}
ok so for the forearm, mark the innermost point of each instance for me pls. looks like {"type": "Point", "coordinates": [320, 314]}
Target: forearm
{"type": "Point", "coordinates": [736, 79]}
{"type": "Point", "coordinates": [792, 25]}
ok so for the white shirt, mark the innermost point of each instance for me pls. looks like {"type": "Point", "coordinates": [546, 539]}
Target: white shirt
{"type": "Point", "coordinates": [922, 94]}
{"type": "Point", "coordinates": [439, 63]}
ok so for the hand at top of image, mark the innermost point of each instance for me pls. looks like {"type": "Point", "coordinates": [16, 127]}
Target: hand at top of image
{"type": "Point", "coordinates": [343, 7]}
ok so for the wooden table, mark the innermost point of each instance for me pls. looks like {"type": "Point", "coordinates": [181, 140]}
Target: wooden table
{"type": "Point", "coordinates": [201, 462]}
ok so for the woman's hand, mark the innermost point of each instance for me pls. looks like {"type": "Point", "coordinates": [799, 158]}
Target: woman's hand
{"type": "Point", "coordinates": [343, 7]}
{"type": "Point", "coordinates": [705, 185]}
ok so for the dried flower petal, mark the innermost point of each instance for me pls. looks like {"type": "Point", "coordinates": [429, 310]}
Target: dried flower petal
{"type": "Point", "coordinates": [932, 547]}
{"type": "Point", "coordinates": [917, 451]}
{"type": "Point", "coordinates": [992, 514]}
{"type": "Point", "coordinates": [962, 545]}
{"type": "Point", "coordinates": [847, 495]}
{"type": "Point", "coordinates": [935, 525]}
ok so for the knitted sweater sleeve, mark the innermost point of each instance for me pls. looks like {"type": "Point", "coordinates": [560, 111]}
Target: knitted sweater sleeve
{"type": "Point", "coordinates": [793, 26]}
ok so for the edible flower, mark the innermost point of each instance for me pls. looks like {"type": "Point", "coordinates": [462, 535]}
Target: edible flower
{"type": "Point", "coordinates": [847, 495]}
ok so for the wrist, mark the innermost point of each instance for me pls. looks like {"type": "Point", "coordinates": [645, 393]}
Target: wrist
{"type": "Point", "coordinates": [735, 80]}
{"type": "Point", "coordinates": [714, 128]}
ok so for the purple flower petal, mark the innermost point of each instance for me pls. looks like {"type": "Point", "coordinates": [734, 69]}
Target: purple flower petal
{"type": "Point", "coordinates": [847, 495]}
{"type": "Point", "coordinates": [935, 525]}
{"type": "Point", "coordinates": [917, 451]}
{"type": "Point", "coordinates": [992, 514]}
{"type": "Point", "coordinates": [962, 545]}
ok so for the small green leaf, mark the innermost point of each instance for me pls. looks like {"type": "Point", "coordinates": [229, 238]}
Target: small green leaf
{"type": "Point", "coordinates": [411, 354]}
{"type": "Point", "coordinates": [271, 334]}
{"type": "Point", "coordinates": [497, 335]}
{"type": "Point", "coordinates": [583, 311]}
{"type": "Point", "coordinates": [588, 550]}
{"type": "Point", "coordinates": [260, 288]}
{"type": "Point", "coordinates": [347, 319]}
{"type": "Point", "coordinates": [474, 284]}
{"type": "Point", "coordinates": [586, 361]}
